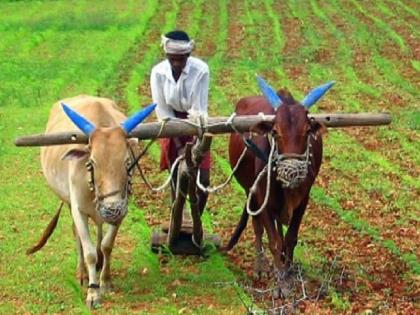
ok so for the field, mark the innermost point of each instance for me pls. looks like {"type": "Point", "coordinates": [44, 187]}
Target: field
{"type": "Point", "coordinates": [359, 241]}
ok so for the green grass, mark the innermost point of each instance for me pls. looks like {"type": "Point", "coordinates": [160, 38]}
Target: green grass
{"type": "Point", "coordinates": [368, 167]}
{"type": "Point", "coordinates": [54, 49]}
{"type": "Point", "coordinates": [41, 73]}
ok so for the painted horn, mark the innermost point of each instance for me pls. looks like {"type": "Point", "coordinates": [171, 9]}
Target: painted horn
{"type": "Point", "coordinates": [81, 122]}
{"type": "Point", "coordinates": [131, 122]}
{"type": "Point", "coordinates": [313, 96]}
{"type": "Point", "coordinates": [269, 93]}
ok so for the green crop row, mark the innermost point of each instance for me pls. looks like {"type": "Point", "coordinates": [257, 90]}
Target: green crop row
{"type": "Point", "coordinates": [350, 161]}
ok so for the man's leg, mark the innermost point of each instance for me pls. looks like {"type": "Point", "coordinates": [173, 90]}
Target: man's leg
{"type": "Point", "coordinates": [202, 196]}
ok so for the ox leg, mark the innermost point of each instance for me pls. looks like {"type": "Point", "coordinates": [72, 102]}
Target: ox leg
{"type": "Point", "coordinates": [261, 263]}
{"type": "Point", "coordinates": [99, 236]}
{"type": "Point", "coordinates": [274, 240]}
{"type": "Point", "coordinates": [106, 246]}
{"type": "Point", "coordinates": [292, 232]}
{"type": "Point", "coordinates": [81, 272]}
{"type": "Point", "coordinates": [280, 230]}
{"type": "Point", "coordinates": [89, 255]}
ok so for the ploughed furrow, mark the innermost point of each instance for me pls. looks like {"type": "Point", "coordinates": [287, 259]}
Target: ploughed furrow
{"type": "Point", "coordinates": [406, 25]}
{"type": "Point", "coordinates": [401, 49]}
{"type": "Point", "coordinates": [381, 207]}
{"type": "Point", "coordinates": [289, 69]}
{"type": "Point", "coordinates": [243, 255]}
{"type": "Point", "coordinates": [407, 8]}
{"type": "Point", "coordinates": [351, 159]}
{"type": "Point", "coordinates": [387, 64]}
{"type": "Point", "coordinates": [371, 278]}
{"type": "Point", "coordinates": [346, 96]}
{"type": "Point", "coordinates": [157, 210]}
{"type": "Point", "coordinates": [378, 99]}
{"type": "Point", "coordinates": [232, 68]}
{"type": "Point", "coordinates": [116, 83]}
{"type": "Point", "coordinates": [392, 140]}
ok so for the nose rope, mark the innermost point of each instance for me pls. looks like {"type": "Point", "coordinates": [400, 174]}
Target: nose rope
{"type": "Point", "coordinates": [291, 168]}
{"type": "Point", "coordinates": [117, 210]}
{"type": "Point", "coordinates": [253, 190]}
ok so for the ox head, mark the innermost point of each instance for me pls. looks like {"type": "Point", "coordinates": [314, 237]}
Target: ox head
{"type": "Point", "coordinates": [108, 160]}
{"type": "Point", "coordinates": [292, 131]}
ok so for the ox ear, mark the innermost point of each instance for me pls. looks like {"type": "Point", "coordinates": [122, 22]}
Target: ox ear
{"type": "Point", "coordinates": [317, 127]}
{"type": "Point", "coordinates": [262, 127]}
{"type": "Point", "coordinates": [313, 96]}
{"type": "Point", "coordinates": [81, 122]}
{"type": "Point", "coordinates": [131, 122]}
{"type": "Point", "coordinates": [75, 154]}
{"type": "Point", "coordinates": [269, 93]}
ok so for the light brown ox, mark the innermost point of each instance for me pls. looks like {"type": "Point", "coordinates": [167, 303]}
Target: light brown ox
{"type": "Point", "coordinates": [69, 170]}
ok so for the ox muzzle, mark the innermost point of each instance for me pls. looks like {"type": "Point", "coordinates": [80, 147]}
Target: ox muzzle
{"type": "Point", "coordinates": [291, 168]}
{"type": "Point", "coordinates": [113, 212]}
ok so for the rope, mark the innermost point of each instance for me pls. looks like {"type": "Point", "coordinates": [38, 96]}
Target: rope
{"type": "Point", "coordinates": [135, 163]}
{"type": "Point", "coordinates": [214, 189]}
{"type": "Point", "coordinates": [254, 186]}
{"type": "Point", "coordinates": [168, 180]}
{"type": "Point", "coordinates": [227, 181]}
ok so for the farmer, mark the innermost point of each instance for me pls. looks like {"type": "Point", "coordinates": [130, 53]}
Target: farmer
{"type": "Point", "coordinates": [180, 87]}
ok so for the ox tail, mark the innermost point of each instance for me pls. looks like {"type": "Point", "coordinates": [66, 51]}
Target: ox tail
{"type": "Point", "coordinates": [47, 232]}
{"type": "Point", "coordinates": [238, 231]}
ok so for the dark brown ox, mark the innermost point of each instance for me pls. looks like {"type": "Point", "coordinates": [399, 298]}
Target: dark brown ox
{"type": "Point", "coordinates": [295, 163]}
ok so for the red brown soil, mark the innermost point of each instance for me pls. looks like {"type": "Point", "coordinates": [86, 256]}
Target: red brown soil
{"type": "Point", "coordinates": [236, 31]}
{"type": "Point", "coordinates": [373, 277]}
{"type": "Point", "coordinates": [370, 255]}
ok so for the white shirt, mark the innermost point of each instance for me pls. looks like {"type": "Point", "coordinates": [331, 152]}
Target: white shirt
{"type": "Point", "coordinates": [188, 94]}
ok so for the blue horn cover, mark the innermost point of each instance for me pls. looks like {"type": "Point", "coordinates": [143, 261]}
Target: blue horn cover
{"type": "Point", "coordinates": [313, 96]}
{"type": "Point", "coordinates": [269, 93]}
{"type": "Point", "coordinates": [81, 122]}
{"type": "Point", "coordinates": [131, 122]}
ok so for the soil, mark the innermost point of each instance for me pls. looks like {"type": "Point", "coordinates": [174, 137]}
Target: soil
{"type": "Point", "coordinates": [363, 273]}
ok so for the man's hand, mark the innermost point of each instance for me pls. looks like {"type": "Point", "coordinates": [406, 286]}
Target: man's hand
{"type": "Point", "coordinates": [199, 118]}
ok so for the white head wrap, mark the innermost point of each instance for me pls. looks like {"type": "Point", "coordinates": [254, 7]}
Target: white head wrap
{"type": "Point", "coordinates": [177, 47]}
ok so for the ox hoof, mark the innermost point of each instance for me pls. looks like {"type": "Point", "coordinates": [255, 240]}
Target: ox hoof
{"type": "Point", "coordinates": [93, 299]}
{"type": "Point", "coordinates": [277, 294]}
{"type": "Point", "coordinates": [285, 283]}
{"type": "Point", "coordinates": [93, 303]}
{"type": "Point", "coordinates": [261, 267]}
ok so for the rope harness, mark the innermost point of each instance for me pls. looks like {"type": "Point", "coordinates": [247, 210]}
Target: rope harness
{"type": "Point", "coordinates": [202, 127]}
{"type": "Point", "coordinates": [291, 169]}
{"type": "Point", "coordinates": [113, 212]}
{"type": "Point", "coordinates": [249, 144]}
